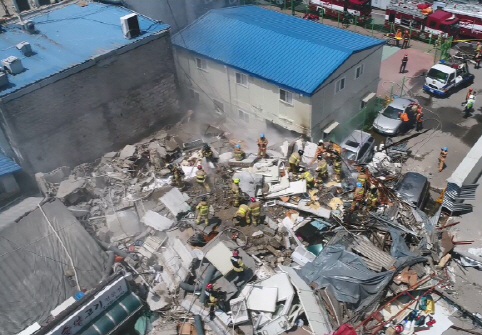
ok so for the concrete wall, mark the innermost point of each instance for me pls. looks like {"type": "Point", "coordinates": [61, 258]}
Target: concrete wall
{"type": "Point", "coordinates": [329, 105]}
{"type": "Point", "coordinates": [260, 99]}
{"type": "Point", "coordinates": [101, 106]}
{"type": "Point", "coordinates": [8, 186]}
{"type": "Point", "coordinates": [177, 13]}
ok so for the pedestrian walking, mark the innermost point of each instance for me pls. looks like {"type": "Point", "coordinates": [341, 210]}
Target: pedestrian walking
{"type": "Point", "coordinates": [404, 63]}
{"type": "Point", "coordinates": [406, 38]}
{"type": "Point", "coordinates": [441, 158]}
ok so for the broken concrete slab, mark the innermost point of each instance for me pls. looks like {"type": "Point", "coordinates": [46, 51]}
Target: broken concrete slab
{"type": "Point", "coordinates": [321, 211]}
{"type": "Point", "coordinates": [247, 162]}
{"type": "Point", "coordinates": [156, 221]}
{"type": "Point", "coordinates": [127, 152]}
{"type": "Point", "coordinates": [296, 187]}
{"type": "Point", "coordinates": [260, 298]}
{"type": "Point", "coordinates": [69, 187]}
{"type": "Point", "coordinates": [175, 201]}
{"type": "Point", "coordinates": [239, 310]}
{"type": "Point", "coordinates": [225, 157]}
{"type": "Point", "coordinates": [159, 299]}
{"type": "Point", "coordinates": [110, 155]}
{"type": "Point", "coordinates": [79, 211]}
{"type": "Point", "coordinates": [282, 184]}
{"type": "Point", "coordinates": [123, 224]}
{"type": "Point", "coordinates": [220, 256]}
{"type": "Point", "coordinates": [248, 182]}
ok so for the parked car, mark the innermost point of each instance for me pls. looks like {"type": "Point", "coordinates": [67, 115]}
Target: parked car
{"type": "Point", "coordinates": [387, 122]}
{"type": "Point", "coordinates": [357, 148]}
{"type": "Point", "coordinates": [413, 187]}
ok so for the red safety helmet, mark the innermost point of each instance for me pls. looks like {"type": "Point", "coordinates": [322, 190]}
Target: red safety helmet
{"type": "Point", "coordinates": [209, 286]}
{"type": "Point", "coordinates": [252, 199]}
{"type": "Point", "coordinates": [199, 167]}
{"type": "Point", "coordinates": [235, 253]}
{"type": "Point", "coordinates": [406, 54]}
{"type": "Point", "coordinates": [470, 89]}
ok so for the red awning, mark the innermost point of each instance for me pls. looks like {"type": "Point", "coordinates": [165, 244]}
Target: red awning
{"type": "Point", "coordinates": [358, 2]}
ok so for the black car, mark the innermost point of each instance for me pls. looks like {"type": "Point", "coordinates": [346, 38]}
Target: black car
{"type": "Point", "coordinates": [414, 188]}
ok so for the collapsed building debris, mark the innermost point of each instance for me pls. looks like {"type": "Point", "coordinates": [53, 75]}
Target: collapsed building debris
{"type": "Point", "coordinates": [322, 258]}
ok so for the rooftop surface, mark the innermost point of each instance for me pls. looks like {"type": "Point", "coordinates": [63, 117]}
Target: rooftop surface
{"type": "Point", "coordinates": [7, 165]}
{"type": "Point", "coordinates": [67, 36]}
{"type": "Point", "coordinates": [279, 48]}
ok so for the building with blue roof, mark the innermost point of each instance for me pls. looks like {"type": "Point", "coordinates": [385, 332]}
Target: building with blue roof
{"type": "Point", "coordinates": [76, 83]}
{"type": "Point", "coordinates": [255, 63]}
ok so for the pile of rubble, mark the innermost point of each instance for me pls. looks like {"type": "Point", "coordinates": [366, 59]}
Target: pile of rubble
{"type": "Point", "coordinates": [318, 262]}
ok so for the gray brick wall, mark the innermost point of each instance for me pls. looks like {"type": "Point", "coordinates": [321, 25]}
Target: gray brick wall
{"type": "Point", "coordinates": [77, 119]}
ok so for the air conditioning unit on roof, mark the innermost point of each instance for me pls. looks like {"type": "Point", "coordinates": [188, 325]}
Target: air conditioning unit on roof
{"type": "Point", "coordinates": [130, 25]}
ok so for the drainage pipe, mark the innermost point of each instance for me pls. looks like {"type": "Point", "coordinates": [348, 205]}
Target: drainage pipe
{"type": "Point", "coordinates": [199, 325]}
{"type": "Point", "coordinates": [207, 278]}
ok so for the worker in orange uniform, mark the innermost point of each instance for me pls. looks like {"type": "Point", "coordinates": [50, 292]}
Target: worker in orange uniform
{"type": "Point", "coordinates": [406, 38]}
{"type": "Point", "coordinates": [320, 150]}
{"type": "Point", "coordinates": [255, 207]}
{"type": "Point", "coordinates": [203, 211]}
{"type": "Point", "coordinates": [419, 119]}
{"type": "Point", "coordinates": [441, 158]}
{"type": "Point", "coordinates": [358, 196]}
{"type": "Point", "coordinates": [201, 178]}
{"type": "Point", "coordinates": [398, 37]}
{"type": "Point", "coordinates": [242, 215]}
{"type": "Point", "coordinates": [405, 122]}
{"type": "Point", "coordinates": [262, 146]}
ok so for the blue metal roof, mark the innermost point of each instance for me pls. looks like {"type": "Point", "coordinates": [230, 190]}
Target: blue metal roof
{"type": "Point", "coordinates": [67, 36]}
{"type": "Point", "coordinates": [7, 165]}
{"type": "Point", "coordinates": [291, 52]}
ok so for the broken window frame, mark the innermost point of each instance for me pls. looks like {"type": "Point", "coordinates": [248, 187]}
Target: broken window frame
{"type": "Point", "coordinates": [218, 106]}
{"type": "Point", "coordinates": [242, 79]}
{"type": "Point", "coordinates": [243, 115]}
{"type": "Point", "coordinates": [359, 71]}
{"type": "Point", "coordinates": [340, 85]}
{"type": "Point", "coordinates": [286, 96]}
{"type": "Point", "coordinates": [201, 64]}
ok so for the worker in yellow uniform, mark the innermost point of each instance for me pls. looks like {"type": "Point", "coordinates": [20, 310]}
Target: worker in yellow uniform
{"type": "Point", "coordinates": [239, 154]}
{"type": "Point", "coordinates": [372, 198]}
{"type": "Point", "coordinates": [201, 178]}
{"type": "Point", "coordinates": [320, 150]}
{"type": "Point", "coordinates": [441, 158]}
{"type": "Point", "coordinates": [362, 176]}
{"type": "Point", "coordinates": [242, 215]}
{"type": "Point", "coordinates": [295, 160]}
{"type": "Point", "coordinates": [358, 196]}
{"type": "Point", "coordinates": [178, 175]}
{"type": "Point", "coordinates": [211, 300]}
{"type": "Point", "coordinates": [255, 207]}
{"type": "Point", "coordinates": [202, 211]}
{"type": "Point", "coordinates": [207, 153]}
{"type": "Point", "coordinates": [239, 267]}
{"type": "Point", "coordinates": [262, 146]}
{"type": "Point", "coordinates": [306, 175]}
{"type": "Point", "coordinates": [322, 169]}
{"type": "Point", "coordinates": [236, 192]}
{"type": "Point", "coordinates": [337, 168]}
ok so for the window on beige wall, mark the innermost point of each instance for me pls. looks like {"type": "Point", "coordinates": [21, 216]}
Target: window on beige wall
{"type": "Point", "coordinates": [241, 79]}
{"type": "Point", "coordinates": [358, 71]}
{"type": "Point", "coordinates": [201, 64]}
{"type": "Point", "coordinates": [286, 96]}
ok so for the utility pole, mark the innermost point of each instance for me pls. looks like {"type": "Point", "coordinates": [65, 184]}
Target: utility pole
{"type": "Point", "coordinates": [293, 7]}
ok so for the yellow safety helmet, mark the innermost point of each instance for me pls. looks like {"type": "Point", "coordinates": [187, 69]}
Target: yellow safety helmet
{"type": "Point", "coordinates": [236, 181]}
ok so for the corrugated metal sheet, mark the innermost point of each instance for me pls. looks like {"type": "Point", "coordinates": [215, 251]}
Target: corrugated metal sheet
{"type": "Point", "coordinates": [370, 251]}
{"type": "Point", "coordinates": [68, 36]}
{"type": "Point", "coordinates": [291, 52]}
{"type": "Point", "coordinates": [7, 165]}
{"type": "Point", "coordinates": [33, 265]}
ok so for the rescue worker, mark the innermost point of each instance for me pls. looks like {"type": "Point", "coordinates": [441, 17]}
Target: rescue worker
{"type": "Point", "coordinates": [419, 119]}
{"type": "Point", "coordinates": [479, 47]}
{"type": "Point", "coordinates": [405, 122]}
{"type": "Point", "coordinates": [372, 198]}
{"type": "Point", "coordinates": [406, 38]}
{"type": "Point", "coordinates": [211, 300]}
{"type": "Point", "coordinates": [358, 196]}
{"type": "Point", "coordinates": [201, 178]}
{"type": "Point", "coordinates": [295, 160]}
{"type": "Point", "coordinates": [404, 63]}
{"type": "Point", "coordinates": [469, 106]}
{"type": "Point", "coordinates": [441, 158]}
{"type": "Point", "coordinates": [262, 146]}
{"type": "Point", "coordinates": [178, 175]}
{"type": "Point", "coordinates": [239, 267]}
{"type": "Point", "coordinates": [322, 169]}
{"type": "Point", "coordinates": [255, 207]}
{"type": "Point", "coordinates": [239, 154]}
{"type": "Point", "coordinates": [478, 58]}
{"type": "Point", "coordinates": [320, 150]}
{"type": "Point", "coordinates": [203, 211]}
{"type": "Point", "coordinates": [398, 37]}
{"type": "Point", "coordinates": [236, 192]}
{"type": "Point", "coordinates": [242, 215]}
{"type": "Point", "coordinates": [207, 152]}
{"type": "Point", "coordinates": [337, 168]}
{"type": "Point", "coordinates": [362, 176]}
{"type": "Point", "coordinates": [467, 96]}
{"type": "Point", "coordinates": [306, 175]}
